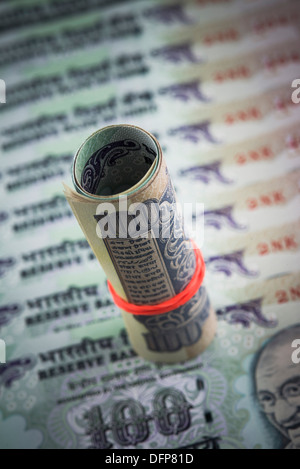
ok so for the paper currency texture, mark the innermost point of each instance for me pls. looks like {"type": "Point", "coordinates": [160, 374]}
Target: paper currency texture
{"type": "Point", "coordinates": [126, 206]}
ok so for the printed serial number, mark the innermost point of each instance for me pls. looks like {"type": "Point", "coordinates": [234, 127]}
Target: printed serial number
{"type": "Point", "coordinates": [262, 153]}
{"type": "Point", "coordinates": [252, 113]}
{"type": "Point", "coordinates": [233, 74]}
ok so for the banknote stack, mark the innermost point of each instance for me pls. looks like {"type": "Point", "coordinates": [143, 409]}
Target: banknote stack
{"type": "Point", "coordinates": [217, 84]}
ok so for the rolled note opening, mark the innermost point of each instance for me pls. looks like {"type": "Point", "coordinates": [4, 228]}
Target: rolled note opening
{"type": "Point", "coordinates": [115, 159]}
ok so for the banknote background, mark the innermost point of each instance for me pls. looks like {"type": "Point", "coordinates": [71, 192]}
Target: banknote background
{"type": "Point", "coordinates": [212, 81]}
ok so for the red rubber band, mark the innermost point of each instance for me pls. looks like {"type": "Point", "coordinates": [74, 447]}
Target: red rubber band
{"type": "Point", "coordinates": [168, 305]}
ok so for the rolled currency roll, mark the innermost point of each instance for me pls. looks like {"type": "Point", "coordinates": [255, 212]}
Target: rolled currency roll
{"type": "Point", "coordinates": [126, 206]}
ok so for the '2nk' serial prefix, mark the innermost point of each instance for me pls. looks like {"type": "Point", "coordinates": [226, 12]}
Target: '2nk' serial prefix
{"type": "Point", "coordinates": [125, 204]}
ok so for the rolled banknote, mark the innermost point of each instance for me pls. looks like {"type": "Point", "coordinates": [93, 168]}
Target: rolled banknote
{"type": "Point", "coordinates": [126, 206]}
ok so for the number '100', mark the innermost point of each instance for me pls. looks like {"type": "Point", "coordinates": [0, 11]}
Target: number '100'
{"type": "Point", "coordinates": [130, 423]}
